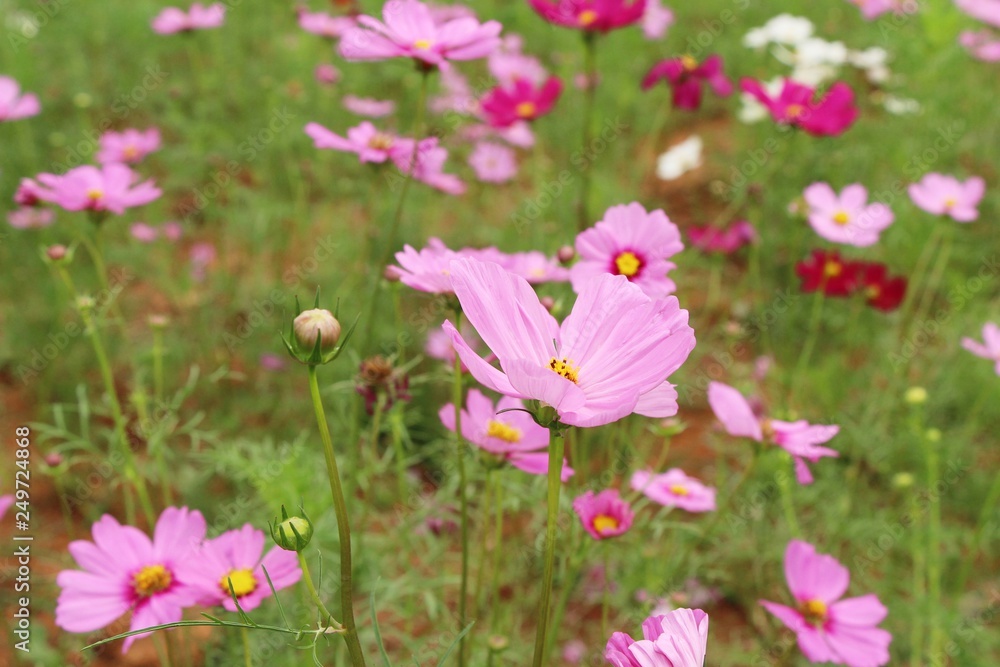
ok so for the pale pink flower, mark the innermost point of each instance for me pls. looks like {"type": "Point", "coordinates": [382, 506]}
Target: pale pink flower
{"type": "Point", "coordinates": [519, 134]}
{"type": "Point", "coordinates": [989, 348]}
{"type": "Point", "coordinates": [198, 17]}
{"type": "Point", "coordinates": [872, 9]}
{"type": "Point", "coordinates": [676, 639]}
{"type": "Point", "coordinates": [326, 74]}
{"type": "Point", "coordinates": [325, 25]}
{"type": "Point", "coordinates": [848, 217]}
{"type": "Point", "coordinates": [675, 489]}
{"type": "Point", "coordinates": [172, 230]}
{"type": "Point", "coordinates": [946, 195]}
{"type": "Point", "coordinates": [438, 345]}
{"type": "Point", "coordinates": [31, 217]}
{"type": "Point", "coordinates": [829, 628]}
{"type": "Point", "coordinates": [656, 19]}
{"type": "Point", "coordinates": [603, 515]}
{"type": "Point", "coordinates": [987, 11]}
{"type": "Point", "coordinates": [129, 146]}
{"type": "Point", "coordinates": [574, 651]}
{"type": "Point", "coordinates": [493, 163]}
{"type": "Point", "coordinates": [981, 44]}
{"type": "Point", "coordinates": [534, 266]}
{"type": "Point", "coordinates": [143, 233]}
{"type": "Point", "coordinates": [507, 63]}
{"type": "Point", "coordinates": [459, 96]}
{"type": "Point", "coordinates": [6, 502]}
{"type": "Point", "coordinates": [367, 106]}
{"type": "Point", "coordinates": [201, 255]}
{"type": "Point", "coordinates": [13, 104]}
{"type": "Point", "coordinates": [427, 164]}
{"type": "Point", "coordinates": [369, 143]}
{"type": "Point", "coordinates": [426, 270]}
{"type": "Point", "coordinates": [111, 187]}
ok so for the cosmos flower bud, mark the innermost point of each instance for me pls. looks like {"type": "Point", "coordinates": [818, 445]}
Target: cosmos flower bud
{"type": "Point", "coordinates": [56, 252]}
{"type": "Point", "coordinates": [291, 533]}
{"type": "Point", "coordinates": [548, 303]}
{"type": "Point", "coordinates": [391, 274]}
{"type": "Point", "coordinates": [566, 254]}
{"type": "Point", "coordinates": [158, 321]}
{"type": "Point", "coordinates": [497, 643]}
{"type": "Point", "coordinates": [317, 323]}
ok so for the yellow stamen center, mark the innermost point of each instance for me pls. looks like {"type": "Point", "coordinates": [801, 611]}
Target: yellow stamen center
{"type": "Point", "coordinates": [873, 291]}
{"type": "Point", "coordinates": [679, 490]}
{"type": "Point", "coordinates": [795, 110]}
{"type": "Point", "coordinates": [380, 142]}
{"type": "Point", "coordinates": [151, 580]}
{"type": "Point", "coordinates": [565, 368]}
{"type": "Point", "coordinates": [95, 194]}
{"type": "Point", "coordinates": [689, 63]}
{"type": "Point", "coordinates": [423, 44]}
{"type": "Point", "coordinates": [841, 218]}
{"type": "Point", "coordinates": [628, 264]}
{"type": "Point", "coordinates": [526, 110]}
{"type": "Point", "coordinates": [814, 611]}
{"type": "Point", "coordinates": [832, 268]}
{"type": "Point", "coordinates": [587, 16]}
{"type": "Point", "coordinates": [130, 152]}
{"type": "Point", "coordinates": [505, 432]}
{"type": "Point", "coordinates": [605, 524]}
{"type": "Point", "coordinates": [243, 580]}
{"type": "Point", "coordinates": [950, 202]}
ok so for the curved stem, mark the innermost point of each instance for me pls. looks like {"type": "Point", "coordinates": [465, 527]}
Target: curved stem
{"type": "Point", "coordinates": [590, 69]}
{"type": "Point", "coordinates": [328, 620]}
{"type": "Point", "coordinates": [554, 486]}
{"type": "Point", "coordinates": [456, 396]}
{"type": "Point", "coordinates": [343, 527]}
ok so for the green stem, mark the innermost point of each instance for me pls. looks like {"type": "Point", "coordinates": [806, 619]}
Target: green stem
{"type": "Point", "coordinates": [989, 507]}
{"type": "Point", "coordinates": [590, 70]}
{"type": "Point", "coordinates": [97, 256]}
{"type": "Point", "coordinates": [918, 626]}
{"type": "Point", "coordinates": [343, 527]}
{"type": "Point", "coordinates": [328, 620]}
{"type": "Point", "coordinates": [786, 502]}
{"type": "Point", "coordinates": [814, 325]}
{"type": "Point", "coordinates": [395, 418]}
{"type": "Point", "coordinates": [554, 486]}
{"type": "Point", "coordinates": [247, 660]}
{"type": "Point", "coordinates": [933, 547]}
{"type": "Point", "coordinates": [933, 282]}
{"type": "Point", "coordinates": [606, 594]}
{"type": "Point", "coordinates": [497, 542]}
{"type": "Point", "coordinates": [918, 273]}
{"type": "Point", "coordinates": [456, 395]}
{"type": "Point", "coordinates": [158, 364]}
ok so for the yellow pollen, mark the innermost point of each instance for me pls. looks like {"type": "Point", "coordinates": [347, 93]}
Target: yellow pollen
{"type": "Point", "coordinates": [244, 583]}
{"type": "Point", "coordinates": [795, 110]}
{"type": "Point", "coordinates": [814, 611]}
{"type": "Point", "coordinates": [679, 490]}
{"type": "Point", "coordinates": [505, 432]}
{"type": "Point", "coordinates": [605, 524]}
{"type": "Point", "coordinates": [380, 142]}
{"type": "Point", "coordinates": [587, 16]}
{"type": "Point", "coordinates": [130, 152]}
{"type": "Point", "coordinates": [628, 264]}
{"type": "Point", "coordinates": [841, 218]}
{"type": "Point", "coordinates": [95, 194]}
{"type": "Point", "coordinates": [151, 580]}
{"type": "Point", "coordinates": [423, 44]}
{"type": "Point", "coordinates": [950, 202]}
{"type": "Point", "coordinates": [689, 62]}
{"type": "Point", "coordinates": [526, 110]}
{"type": "Point", "coordinates": [565, 368]}
{"type": "Point", "coordinates": [832, 269]}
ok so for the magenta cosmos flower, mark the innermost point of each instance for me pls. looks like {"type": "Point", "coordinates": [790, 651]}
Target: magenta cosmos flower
{"type": "Point", "coordinates": [946, 195]}
{"type": "Point", "coordinates": [123, 570]}
{"type": "Point", "coordinates": [828, 628]}
{"type": "Point", "coordinates": [799, 438]}
{"type": "Point", "coordinates": [675, 489]}
{"type": "Point", "coordinates": [236, 556]}
{"type": "Point", "coordinates": [521, 100]}
{"type": "Point", "coordinates": [512, 436]}
{"type": "Point", "coordinates": [846, 218]}
{"type": "Point", "coordinates": [676, 639]}
{"type": "Point", "coordinates": [128, 146]}
{"type": "Point", "coordinates": [199, 17]}
{"type": "Point", "coordinates": [603, 515]}
{"type": "Point", "coordinates": [409, 31]}
{"type": "Point", "coordinates": [630, 242]}
{"type": "Point", "coordinates": [989, 348]}
{"type": "Point", "coordinates": [727, 241]}
{"type": "Point", "coordinates": [13, 104]}
{"type": "Point", "coordinates": [111, 187]}
{"type": "Point", "coordinates": [609, 358]}
{"type": "Point", "coordinates": [794, 105]}
{"type": "Point", "coordinates": [325, 25]}
{"type": "Point", "coordinates": [493, 163]}
{"type": "Point", "coordinates": [590, 15]}
{"type": "Point", "coordinates": [685, 76]}
{"type": "Point", "coordinates": [367, 142]}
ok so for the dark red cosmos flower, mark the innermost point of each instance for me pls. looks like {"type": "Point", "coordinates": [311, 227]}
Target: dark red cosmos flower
{"type": "Point", "coordinates": [826, 270]}
{"type": "Point", "coordinates": [830, 115]}
{"type": "Point", "coordinates": [881, 290]}
{"type": "Point", "coordinates": [685, 76]}
{"type": "Point", "coordinates": [505, 105]}
{"type": "Point", "coordinates": [590, 15]}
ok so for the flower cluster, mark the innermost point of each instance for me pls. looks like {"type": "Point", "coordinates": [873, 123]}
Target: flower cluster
{"type": "Point", "coordinates": [828, 272]}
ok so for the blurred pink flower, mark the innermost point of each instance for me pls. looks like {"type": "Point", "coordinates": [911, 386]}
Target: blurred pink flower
{"type": "Point", "coordinates": [493, 163]}
{"type": "Point", "coordinates": [630, 242]}
{"type": "Point", "coordinates": [846, 218]}
{"type": "Point", "coordinates": [676, 639]}
{"type": "Point", "coordinates": [426, 270]}
{"type": "Point", "coordinates": [427, 165]}
{"type": "Point", "coordinates": [674, 489]}
{"type": "Point", "coordinates": [13, 104]}
{"type": "Point", "coordinates": [409, 31]}
{"type": "Point", "coordinates": [946, 195]}
{"type": "Point", "coordinates": [520, 101]}
{"type": "Point", "coordinates": [830, 115]}
{"type": "Point", "coordinates": [656, 19]}
{"type": "Point", "coordinates": [198, 17]}
{"type": "Point", "coordinates": [325, 25]}
{"type": "Point", "coordinates": [143, 233]}
{"type": "Point", "coordinates": [828, 628]}
{"type": "Point", "coordinates": [272, 362]}
{"type": "Point", "coordinates": [438, 345]}
{"type": "Point", "coordinates": [29, 193]}
{"type": "Point", "coordinates": [172, 230]}
{"type": "Point", "coordinates": [111, 187]}
{"type": "Point", "coordinates": [987, 11]}
{"type": "Point", "coordinates": [6, 502]}
{"type": "Point", "coordinates": [685, 76]}
{"type": "Point", "coordinates": [981, 44]}
{"type": "Point", "coordinates": [507, 63]}
{"type": "Point", "coordinates": [366, 106]}
{"type": "Point", "coordinates": [458, 96]}
{"type": "Point", "coordinates": [603, 515]}
{"type": "Point", "coordinates": [726, 241]}
{"type": "Point", "coordinates": [519, 134]}
{"type": "Point", "coordinates": [31, 217]}
{"type": "Point", "coordinates": [534, 266]}
{"type": "Point", "coordinates": [129, 146]}
{"type": "Point", "coordinates": [989, 348]}
{"type": "Point", "coordinates": [590, 15]}
{"type": "Point", "coordinates": [872, 9]}
{"type": "Point", "coordinates": [574, 651]}
{"type": "Point", "coordinates": [201, 256]}
{"type": "Point", "coordinates": [370, 144]}
{"type": "Point", "coordinates": [326, 74]}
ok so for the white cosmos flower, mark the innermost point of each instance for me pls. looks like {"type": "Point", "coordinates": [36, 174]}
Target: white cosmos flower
{"type": "Point", "coordinates": [680, 159]}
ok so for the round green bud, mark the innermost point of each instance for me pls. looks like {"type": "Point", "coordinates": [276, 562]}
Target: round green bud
{"type": "Point", "coordinates": [293, 534]}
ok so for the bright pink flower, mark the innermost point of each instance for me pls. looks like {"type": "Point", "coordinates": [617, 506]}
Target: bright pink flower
{"type": "Point", "coordinates": [675, 489]}
{"type": "Point", "coordinates": [123, 570]}
{"type": "Point", "coordinates": [236, 556]}
{"type": "Point", "coordinates": [427, 163]}
{"type": "Point", "coordinates": [129, 146]}
{"type": "Point", "coordinates": [609, 358]}
{"type": "Point", "coordinates": [685, 76]}
{"type": "Point", "coordinates": [946, 195]}
{"type": "Point", "coordinates": [590, 15]}
{"type": "Point", "coordinates": [31, 217]}
{"type": "Point", "coordinates": [326, 74]}
{"type": "Point", "coordinates": [828, 628]}
{"type": "Point", "coordinates": [512, 436]}
{"type": "Point", "coordinates": [199, 17]}
{"type": "Point", "coordinates": [534, 266]}
{"type": "Point", "coordinates": [629, 242]}
{"type": "Point", "coordinates": [325, 25]}
{"type": "Point", "coordinates": [794, 105]}
{"type": "Point", "coordinates": [493, 163]}
{"type": "Point", "coordinates": [143, 233]}
{"type": "Point", "coordinates": [846, 218]}
{"type": "Point", "coordinates": [799, 438]}
{"type": "Point", "coordinates": [370, 144]}
{"type": "Point", "coordinates": [603, 515]}
{"type": "Point", "coordinates": [14, 105]}
{"type": "Point", "coordinates": [981, 44]}
{"type": "Point", "coordinates": [111, 187]}
{"type": "Point", "coordinates": [987, 11]}
{"type": "Point", "coordinates": [520, 101]}
{"type": "Point", "coordinates": [409, 31]}
{"type": "Point", "coordinates": [726, 241]}
{"type": "Point", "coordinates": [656, 19]}
{"type": "Point", "coordinates": [427, 270]}
{"type": "Point", "coordinates": [989, 348]}
{"type": "Point", "coordinates": [367, 106]}
{"type": "Point", "coordinates": [676, 639]}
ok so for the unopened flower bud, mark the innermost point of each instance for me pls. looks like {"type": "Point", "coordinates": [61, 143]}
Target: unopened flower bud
{"type": "Point", "coordinates": [903, 480]}
{"type": "Point", "coordinates": [497, 643]}
{"type": "Point", "coordinates": [158, 321]}
{"type": "Point", "coordinates": [391, 274]}
{"type": "Point", "coordinates": [56, 252]}
{"type": "Point", "coordinates": [53, 459]}
{"type": "Point", "coordinates": [566, 254]}
{"type": "Point", "coordinates": [292, 533]}
{"type": "Point", "coordinates": [315, 323]}
{"type": "Point", "coordinates": [548, 303]}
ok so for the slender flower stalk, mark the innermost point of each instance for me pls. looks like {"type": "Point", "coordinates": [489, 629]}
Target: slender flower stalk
{"type": "Point", "coordinates": [158, 364]}
{"type": "Point", "coordinates": [247, 656]}
{"type": "Point", "coordinates": [807, 349]}
{"type": "Point", "coordinates": [456, 397]}
{"type": "Point", "coordinates": [328, 620]}
{"type": "Point", "coordinates": [554, 487]}
{"type": "Point", "coordinates": [590, 71]}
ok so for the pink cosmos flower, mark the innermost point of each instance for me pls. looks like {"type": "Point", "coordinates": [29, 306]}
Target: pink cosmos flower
{"type": "Point", "coordinates": [235, 556]}
{"type": "Point", "coordinates": [590, 15]}
{"type": "Point", "coordinates": [199, 17]}
{"type": "Point", "coordinates": [603, 515]}
{"type": "Point", "coordinates": [201, 256]}
{"type": "Point", "coordinates": [367, 106]}
{"type": "Point", "coordinates": [326, 74]}
{"type": "Point", "coordinates": [512, 436]}
{"type": "Point", "coordinates": [519, 134]}
{"type": "Point", "coordinates": [828, 628]}
{"type": "Point", "coordinates": [111, 187]}
{"type": "Point", "coordinates": [726, 241]}
{"type": "Point", "coordinates": [846, 218]}
{"type": "Point", "coordinates": [123, 570]}
{"type": "Point", "coordinates": [946, 195]}
{"type": "Point", "coordinates": [872, 9]}
{"type": "Point", "coordinates": [520, 101]}
{"type": "Point", "coordinates": [370, 144]}
{"type": "Point", "coordinates": [799, 438]}
{"type": "Point", "coordinates": [989, 348]}
{"type": "Point", "coordinates": [143, 233]}
{"type": "Point", "coordinates": [534, 266]}
{"type": "Point", "coordinates": [981, 44]}
{"type": "Point", "coordinates": [325, 25]}
{"type": "Point", "coordinates": [508, 64]}
{"type": "Point", "coordinates": [458, 95]}
{"type": "Point", "coordinates": [427, 163]}
{"type": "Point", "coordinates": [6, 502]}
{"type": "Point", "coordinates": [409, 31]}
{"type": "Point", "coordinates": [685, 76]}
{"type": "Point", "coordinates": [630, 242]}
{"type": "Point", "coordinates": [426, 270]}
{"type": "Point", "coordinates": [493, 163]}
{"type": "Point", "coordinates": [14, 105]}
{"type": "Point", "coordinates": [656, 19]}
{"type": "Point", "coordinates": [172, 230]}
{"type": "Point", "coordinates": [987, 11]}
{"type": "Point", "coordinates": [438, 345]}
{"type": "Point", "coordinates": [609, 358]}
{"type": "Point", "coordinates": [30, 217]}
{"type": "Point", "coordinates": [830, 115]}
{"type": "Point", "coordinates": [675, 489]}
{"type": "Point", "coordinates": [129, 146]}
{"type": "Point", "coordinates": [676, 639]}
